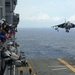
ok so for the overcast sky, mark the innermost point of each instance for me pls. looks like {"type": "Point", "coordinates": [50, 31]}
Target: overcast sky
{"type": "Point", "coordinates": [45, 13]}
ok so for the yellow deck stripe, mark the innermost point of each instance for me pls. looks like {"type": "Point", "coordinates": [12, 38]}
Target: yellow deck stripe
{"type": "Point", "coordinates": [68, 65]}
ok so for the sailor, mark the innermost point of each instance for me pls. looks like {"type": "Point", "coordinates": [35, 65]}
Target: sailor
{"type": "Point", "coordinates": [26, 62]}
{"type": "Point", "coordinates": [21, 70]}
{"type": "Point", "coordinates": [10, 30]}
{"type": "Point", "coordinates": [5, 29]}
{"type": "Point", "coordinates": [2, 34]}
{"type": "Point", "coordinates": [30, 69]}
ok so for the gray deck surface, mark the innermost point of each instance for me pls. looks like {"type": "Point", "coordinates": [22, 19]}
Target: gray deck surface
{"type": "Point", "coordinates": [50, 67]}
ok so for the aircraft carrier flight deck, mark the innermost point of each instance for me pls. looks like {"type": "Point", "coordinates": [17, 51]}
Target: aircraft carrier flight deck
{"type": "Point", "coordinates": [50, 66]}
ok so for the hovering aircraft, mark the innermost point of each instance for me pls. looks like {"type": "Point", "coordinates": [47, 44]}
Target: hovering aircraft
{"type": "Point", "coordinates": [67, 25]}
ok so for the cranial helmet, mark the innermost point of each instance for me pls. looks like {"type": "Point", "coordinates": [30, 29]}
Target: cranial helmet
{"type": "Point", "coordinates": [10, 24]}
{"type": "Point", "coordinates": [1, 22]}
{"type": "Point", "coordinates": [3, 19]}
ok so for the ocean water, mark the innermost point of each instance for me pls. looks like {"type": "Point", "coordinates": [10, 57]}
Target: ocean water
{"type": "Point", "coordinates": [46, 42]}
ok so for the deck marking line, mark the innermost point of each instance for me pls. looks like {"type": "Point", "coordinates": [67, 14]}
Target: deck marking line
{"type": "Point", "coordinates": [68, 65]}
{"type": "Point", "coordinates": [59, 69]}
{"type": "Point", "coordinates": [56, 66]}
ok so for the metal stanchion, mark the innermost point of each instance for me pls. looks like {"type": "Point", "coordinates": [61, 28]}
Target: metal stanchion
{"type": "Point", "coordinates": [11, 69]}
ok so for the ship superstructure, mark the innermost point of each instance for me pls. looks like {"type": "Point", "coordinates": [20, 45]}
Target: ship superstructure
{"type": "Point", "coordinates": [9, 54]}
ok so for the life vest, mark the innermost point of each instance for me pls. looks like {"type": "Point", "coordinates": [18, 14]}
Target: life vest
{"type": "Point", "coordinates": [30, 68]}
{"type": "Point", "coordinates": [26, 61]}
{"type": "Point", "coordinates": [21, 69]}
{"type": "Point", "coordinates": [34, 73]}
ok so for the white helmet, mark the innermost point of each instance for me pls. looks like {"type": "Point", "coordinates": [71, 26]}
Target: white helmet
{"type": "Point", "coordinates": [1, 22]}
{"type": "Point", "coordinates": [10, 43]}
{"type": "Point", "coordinates": [3, 19]}
{"type": "Point", "coordinates": [10, 24]}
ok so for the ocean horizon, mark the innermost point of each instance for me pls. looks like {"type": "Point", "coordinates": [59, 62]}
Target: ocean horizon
{"type": "Point", "coordinates": [46, 42]}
